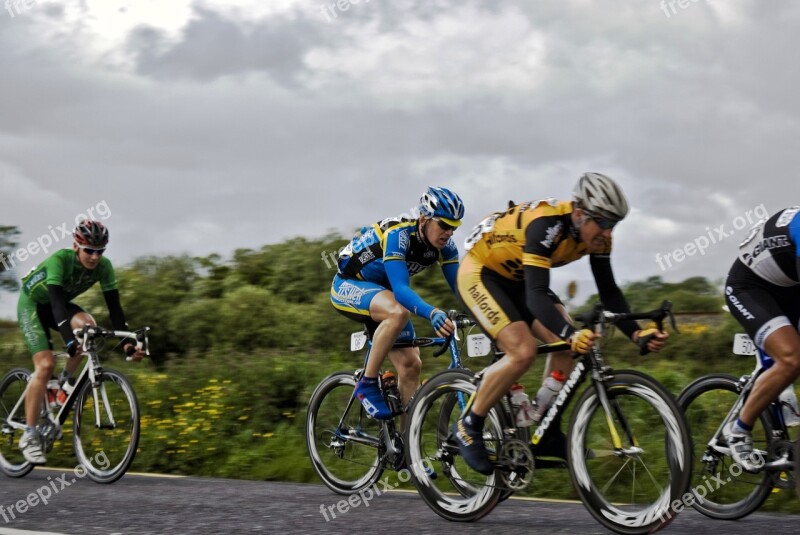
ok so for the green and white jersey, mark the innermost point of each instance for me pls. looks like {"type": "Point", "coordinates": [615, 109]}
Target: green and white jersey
{"type": "Point", "coordinates": [63, 269]}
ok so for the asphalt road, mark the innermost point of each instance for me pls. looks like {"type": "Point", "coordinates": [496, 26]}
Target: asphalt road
{"type": "Point", "coordinates": [143, 504]}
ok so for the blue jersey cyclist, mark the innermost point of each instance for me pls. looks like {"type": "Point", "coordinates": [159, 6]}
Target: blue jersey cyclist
{"type": "Point", "coordinates": [45, 303]}
{"type": "Point", "coordinates": [372, 287]}
{"type": "Point", "coordinates": [763, 293]}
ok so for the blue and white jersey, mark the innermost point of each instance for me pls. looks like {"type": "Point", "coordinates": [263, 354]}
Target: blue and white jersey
{"type": "Point", "coordinates": [392, 239]}
{"type": "Point", "coordinates": [771, 251]}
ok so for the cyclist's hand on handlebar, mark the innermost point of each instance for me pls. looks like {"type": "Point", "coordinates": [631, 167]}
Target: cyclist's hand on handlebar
{"type": "Point", "coordinates": [134, 354]}
{"type": "Point", "coordinates": [651, 339]}
{"type": "Point", "coordinates": [582, 341]}
{"type": "Point", "coordinates": [441, 323]}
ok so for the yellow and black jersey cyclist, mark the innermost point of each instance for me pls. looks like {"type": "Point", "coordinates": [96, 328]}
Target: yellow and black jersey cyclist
{"type": "Point", "coordinates": [504, 281]}
{"type": "Point", "coordinates": [372, 287]}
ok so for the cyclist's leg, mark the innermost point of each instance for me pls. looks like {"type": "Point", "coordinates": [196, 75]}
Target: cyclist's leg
{"type": "Point", "coordinates": [43, 363]}
{"type": "Point", "coordinates": [762, 309]}
{"type": "Point", "coordinates": [393, 318]}
{"type": "Point", "coordinates": [494, 302]}
{"type": "Point", "coordinates": [409, 366]}
{"type": "Point", "coordinates": [34, 329]}
{"type": "Point", "coordinates": [519, 346]}
{"type": "Point", "coordinates": [783, 345]}
{"type": "Point", "coordinates": [490, 301]}
{"type": "Point", "coordinates": [354, 298]}
{"type": "Point", "coordinates": [38, 343]}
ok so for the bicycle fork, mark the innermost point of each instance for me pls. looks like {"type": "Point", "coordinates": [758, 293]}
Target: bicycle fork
{"type": "Point", "coordinates": [100, 398]}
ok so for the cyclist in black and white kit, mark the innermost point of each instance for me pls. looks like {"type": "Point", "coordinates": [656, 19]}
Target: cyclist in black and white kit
{"type": "Point", "coordinates": [763, 293]}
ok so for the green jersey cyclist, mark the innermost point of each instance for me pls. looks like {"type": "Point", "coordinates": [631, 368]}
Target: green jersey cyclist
{"type": "Point", "coordinates": [45, 303]}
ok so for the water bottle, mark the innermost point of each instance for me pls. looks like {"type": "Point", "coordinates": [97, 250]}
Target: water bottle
{"type": "Point", "coordinates": [548, 393]}
{"type": "Point", "coordinates": [67, 384]}
{"type": "Point", "coordinates": [52, 393]}
{"type": "Point", "coordinates": [522, 406]}
{"type": "Point", "coordinates": [391, 394]}
{"type": "Point", "coordinates": [790, 412]}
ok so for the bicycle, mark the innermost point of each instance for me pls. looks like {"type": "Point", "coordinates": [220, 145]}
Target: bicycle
{"type": "Point", "coordinates": [710, 402]}
{"type": "Point", "coordinates": [623, 468]}
{"type": "Point", "coordinates": [105, 422]}
{"type": "Point", "coordinates": [349, 450]}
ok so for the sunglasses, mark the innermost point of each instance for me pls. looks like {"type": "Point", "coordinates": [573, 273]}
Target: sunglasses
{"type": "Point", "coordinates": [444, 226]}
{"type": "Point", "coordinates": [605, 224]}
{"type": "Point", "coordinates": [92, 252]}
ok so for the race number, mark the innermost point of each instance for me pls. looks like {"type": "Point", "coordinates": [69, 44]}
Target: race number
{"type": "Point", "coordinates": [358, 341]}
{"type": "Point", "coordinates": [484, 227]}
{"type": "Point", "coordinates": [743, 345]}
{"type": "Point", "coordinates": [478, 345]}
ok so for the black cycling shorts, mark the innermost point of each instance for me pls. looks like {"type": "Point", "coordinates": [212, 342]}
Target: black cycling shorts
{"type": "Point", "coordinates": [760, 306]}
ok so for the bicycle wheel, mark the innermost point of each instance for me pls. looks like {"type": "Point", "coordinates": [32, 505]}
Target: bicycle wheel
{"type": "Point", "coordinates": [629, 489]}
{"type": "Point", "coordinates": [797, 465]}
{"type": "Point", "coordinates": [106, 427]}
{"type": "Point", "coordinates": [343, 443]}
{"type": "Point", "coordinates": [463, 495]}
{"type": "Point", "coordinates": [12, 462]}
{"type": "Point", "coordinates": [723, 490]}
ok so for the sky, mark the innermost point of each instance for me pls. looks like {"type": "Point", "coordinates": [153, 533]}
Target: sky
{"type": "Point", "coordinates": [203, 126]}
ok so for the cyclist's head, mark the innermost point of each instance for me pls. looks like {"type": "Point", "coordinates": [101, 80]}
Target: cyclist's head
{"type": "Point", "coordinates": [600, 197]}
{"type": "Point", "coordinates": [91, 234]}
{"type": "Point", "coordinates": [443, 205]}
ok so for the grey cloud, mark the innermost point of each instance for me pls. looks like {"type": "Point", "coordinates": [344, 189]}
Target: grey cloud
{"type": "Point", "coordinates": [213, 45]}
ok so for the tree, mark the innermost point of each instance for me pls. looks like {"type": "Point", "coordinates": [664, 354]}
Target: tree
{"type": "Point", "coordinates": [8, 244]}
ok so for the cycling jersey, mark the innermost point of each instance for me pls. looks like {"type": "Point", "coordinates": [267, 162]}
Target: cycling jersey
{"type": "Point", "coordinates": [63, 269]}
{"type": "Point", "coordinates": [771, 251]}
{"type": "Point", "coordinates": [521, 245]}
{"type": "Point", "coordinates": [44, 302]}
{"type": "Point", "coordinates": [387, 254]}
{"type": "Point", "coordinates": [762, 290]}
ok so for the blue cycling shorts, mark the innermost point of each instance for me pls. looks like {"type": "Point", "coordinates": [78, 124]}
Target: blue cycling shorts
{"type": "Point", "coordinates": [352, 298]}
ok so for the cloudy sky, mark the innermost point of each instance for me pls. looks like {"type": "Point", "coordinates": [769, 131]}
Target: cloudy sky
{"type": "Point", "coordinates": [202, 126]}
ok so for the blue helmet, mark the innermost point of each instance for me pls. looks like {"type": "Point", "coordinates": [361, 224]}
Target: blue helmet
{"type": "Point", "coordinates": [443, 204]}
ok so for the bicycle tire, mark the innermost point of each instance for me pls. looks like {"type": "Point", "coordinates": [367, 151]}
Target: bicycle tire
{"type": "Point", "coordinates": [706, 402]}
{"type": "Point", "coordinates": [605, 478]}
{"type": "Point", "coordinates": [344, 465]}
{"type": "Point", "coordinates": [797, 465]}
{"type": "Point", "coordinates": [443, 429]}
{"type": "Point", "coordinates": [12, 387]}
{"type": "Point", "coordinates": [106, 452]}
{"type": "Point", "coordinates": [463, 495]}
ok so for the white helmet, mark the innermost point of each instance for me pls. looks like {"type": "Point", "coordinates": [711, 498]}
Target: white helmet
{"type": "Point", "coordinates": [600, 195]}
